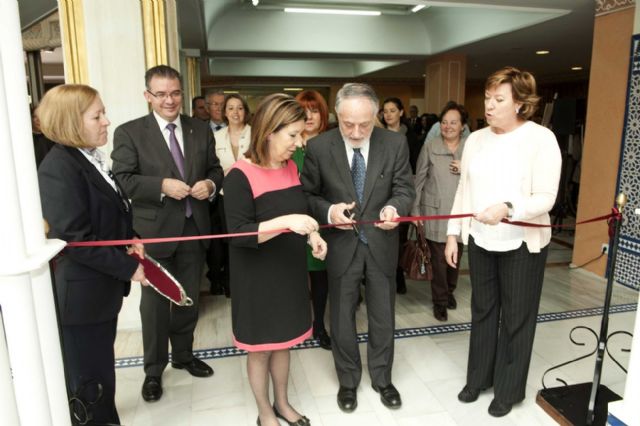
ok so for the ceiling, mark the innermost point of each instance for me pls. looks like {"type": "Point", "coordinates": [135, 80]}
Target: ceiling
{"type": "Point", "coordinates": [237, 39]}
{"type": "Point", "coordinates": [241, 40]}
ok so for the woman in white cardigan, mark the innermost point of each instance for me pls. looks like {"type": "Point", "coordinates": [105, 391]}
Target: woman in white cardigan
{"type": "Point", "coordinates": [233, 141]}
{"type": "Point", "coordinates": [509, 170]}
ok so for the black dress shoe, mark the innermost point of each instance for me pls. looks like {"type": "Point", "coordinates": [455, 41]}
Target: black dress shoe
{"type": "Point", "coordinates": [499, 409]}
{"type": "Point", "coordinates": [389, 395]}
{"type": "Point", "coordinates": [452, 303]}
{"type": "Point", "coordinates": [195, 367]}
{"type": "Point", "coordinates": [152, 388]}
{"type": "Point", "coordinates": [324, 339]}
{"type": "Point", "coordinates": [469, 394]}
{"type": "Point", "coordinates": [302, 421]}
{"type": "Point", "coordinates": [440, 312]}
{"type": "Point", "coordinates": [347, 399]}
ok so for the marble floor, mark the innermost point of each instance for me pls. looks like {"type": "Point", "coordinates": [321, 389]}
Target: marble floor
{"type": "Point", "coordinates": [429, 367]}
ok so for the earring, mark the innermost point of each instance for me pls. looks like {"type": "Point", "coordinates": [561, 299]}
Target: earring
{"type": "Point", "coordinates": [517, 110]}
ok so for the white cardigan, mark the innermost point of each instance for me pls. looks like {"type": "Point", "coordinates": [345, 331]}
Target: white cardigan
{"type": "Point", "coordinates": [223, 146]}
{"type": "Point", "coordinates": [540, 162]}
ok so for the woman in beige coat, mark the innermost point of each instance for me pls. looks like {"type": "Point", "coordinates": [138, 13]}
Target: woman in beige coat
{"type": "Point", "coordinates": [437, 176]}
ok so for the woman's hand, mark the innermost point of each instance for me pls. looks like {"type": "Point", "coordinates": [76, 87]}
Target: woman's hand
{"type": "Point", "coordinates": [318, 245]}
{"type": "Point", "coordinates": [492, 215]}
{"type": "Point", "coordinates": [301, 224]}
{"type": "Point", "coordinates": [454, 167]}
{"type": "Point", "coordinates": [451, 251]}
{"type": "Point", "coordinates": [139, 276]}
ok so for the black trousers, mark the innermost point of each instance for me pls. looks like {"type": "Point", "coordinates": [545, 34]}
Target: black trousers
{"type": "Point", "coordinates": [506, 289]}
{"type": "Point", "coordinates": [380, 294]}
{"type": "Point", "coordinates": [91, 377]}
{"type": "Point", "coordinates": [445, 278]}
{"type": "Point", "coordinates": [162, 321]}
{"type": "Point", "coordinates": [218, 253]}
{"type": "Point", "coordinates": [319, 294]}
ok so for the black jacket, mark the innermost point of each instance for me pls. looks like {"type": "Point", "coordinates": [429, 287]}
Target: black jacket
{"type": "Point", "coordinates": [80, 205]}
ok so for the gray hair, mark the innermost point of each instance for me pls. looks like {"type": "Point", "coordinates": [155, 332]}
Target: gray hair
{"type": "Point", "coordinates": [210, 93]}
{"type": "Point", "coordinates": [357, 90]}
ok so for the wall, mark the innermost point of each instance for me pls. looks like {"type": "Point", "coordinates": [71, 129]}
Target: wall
{"type": "Point", "coordinates": [603, 134]}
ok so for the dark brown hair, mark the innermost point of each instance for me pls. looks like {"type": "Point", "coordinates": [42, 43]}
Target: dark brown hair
{"type": "Point", "coordinates": [452, 105]}
{"type": "Point", "coordinates": [160, 71]}
{"type": "Point", "coordinates": [247, 113]}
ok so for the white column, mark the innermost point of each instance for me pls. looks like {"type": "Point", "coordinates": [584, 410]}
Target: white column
{"type": "Point", "coordinates": [8, 409]}
{"type": "Point", "coordinates": [25, 289]}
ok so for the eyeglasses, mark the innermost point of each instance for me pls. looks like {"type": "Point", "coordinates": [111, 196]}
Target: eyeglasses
{"type": "Point", "coordinates": [163, 95]}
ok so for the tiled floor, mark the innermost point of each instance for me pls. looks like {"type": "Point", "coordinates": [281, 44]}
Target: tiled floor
{"type": "Point", "coordinates": [429, 370]}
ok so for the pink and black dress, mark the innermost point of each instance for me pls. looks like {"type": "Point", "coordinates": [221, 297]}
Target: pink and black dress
{"type": "Point", "coordinates": [269, 293]}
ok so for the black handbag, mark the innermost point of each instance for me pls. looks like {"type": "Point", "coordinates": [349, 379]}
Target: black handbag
{"type": "Point", "coordinates": [416, 256]}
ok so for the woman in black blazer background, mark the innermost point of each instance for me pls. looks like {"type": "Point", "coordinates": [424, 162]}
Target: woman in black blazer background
{"type": "Point", "coordinates": [82, 201]}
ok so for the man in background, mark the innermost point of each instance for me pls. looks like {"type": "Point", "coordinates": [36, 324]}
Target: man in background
{"type": "Point", "coordinates": [215, 101]}
{"type": "Point", "coordinates": [199, 108]}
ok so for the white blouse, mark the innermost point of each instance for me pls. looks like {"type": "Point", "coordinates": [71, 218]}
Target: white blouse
{"type": "Point", "coordinates": [522, 167]}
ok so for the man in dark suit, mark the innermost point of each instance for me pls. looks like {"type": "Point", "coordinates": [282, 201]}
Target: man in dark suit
{"type": "Point", "coordinates": [167, 164]}
{"type": "Point", "coordinates": [415, 124]}
{"type": "Point", "coordinates": [360, 172]}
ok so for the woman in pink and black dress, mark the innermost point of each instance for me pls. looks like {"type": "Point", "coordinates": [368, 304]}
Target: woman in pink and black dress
{"type": "Point", "coordinates": [270, 304]}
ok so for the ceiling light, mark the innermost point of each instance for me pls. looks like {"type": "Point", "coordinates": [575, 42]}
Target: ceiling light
{"type": "Point", "coordinates": [293, 89]}
{"type": "Point", "coordinates": [418, 7]}
{"type": "Point", "coordinates": [542, 52]}
{"type": "Point", "coordinates": [576, 68]}
{"type": "Point", "coordinates": [333, 11]}
{"type": "Point", "coordinates": [255, 2]}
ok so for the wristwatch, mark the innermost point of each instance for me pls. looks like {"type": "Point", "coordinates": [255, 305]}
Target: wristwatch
{"type": "Point", "coordinates": [510, 209]}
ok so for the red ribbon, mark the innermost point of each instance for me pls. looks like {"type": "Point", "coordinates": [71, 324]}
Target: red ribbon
{"type": "Point", "coordinates": [611, 218]}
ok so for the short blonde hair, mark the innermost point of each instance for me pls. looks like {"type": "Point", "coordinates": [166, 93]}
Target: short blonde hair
{"type": "Point", "coordinates": [523, 88]}
{"type": "Point", "coordinates": [273, 114]}
{"type": "Point", "coordinates": [61, 110]}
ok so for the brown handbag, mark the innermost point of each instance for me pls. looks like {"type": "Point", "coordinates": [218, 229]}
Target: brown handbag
{"type": "Point", "coordinates": [416, 257]}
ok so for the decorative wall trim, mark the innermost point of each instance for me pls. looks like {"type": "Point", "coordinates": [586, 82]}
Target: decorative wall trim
{"type": "Point", "coordinates": [74, 43]}
{"type": "Point", "coordinates": [604, 7]}
{"type": "Point", "coordinates": [628, 256]}
{"type": "Point", "coordinates": [154, 32]}
{"type": "Point", "coordinates": [43, 35]}
{"type": "Point", "coordinates": [191, 80]}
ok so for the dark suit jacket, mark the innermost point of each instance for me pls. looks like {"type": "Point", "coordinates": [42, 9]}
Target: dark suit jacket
{"type": "Point", "coordinates": [326, 178]}
{"type": "Point", "coordinates": [142, 159]}
{"type": "Point", "coordinates": [80, 205]}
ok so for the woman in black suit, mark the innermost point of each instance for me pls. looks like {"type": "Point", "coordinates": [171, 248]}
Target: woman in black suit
{"type": "Point", "coordinates": [81, 201]}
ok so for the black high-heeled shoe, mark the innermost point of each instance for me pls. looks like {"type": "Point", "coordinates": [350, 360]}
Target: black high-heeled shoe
{"type": "Point", "coordinates": [302, 421]}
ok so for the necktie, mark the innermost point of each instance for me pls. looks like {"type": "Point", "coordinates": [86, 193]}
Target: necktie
{"type": "Point", "coordinates": [358, 172]}
{"type": "Point", "coordinates": [218, 127]}
{"type": "Point", "coordinates": [178, 158]}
